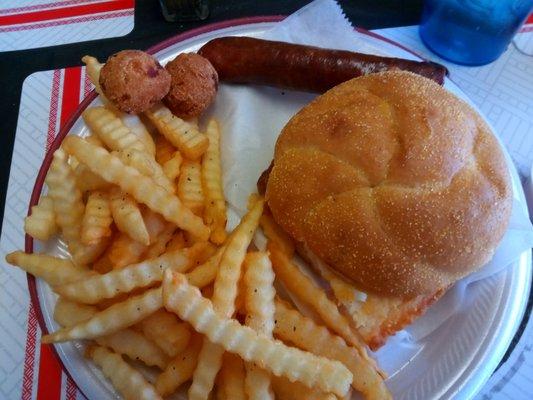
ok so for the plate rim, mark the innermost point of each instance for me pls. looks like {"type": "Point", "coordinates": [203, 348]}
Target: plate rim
{"type": "Point", "coordinates": [39, 181]}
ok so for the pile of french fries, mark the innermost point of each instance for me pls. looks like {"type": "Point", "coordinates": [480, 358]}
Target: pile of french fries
{"type": "Point", "coordinates": [155, 279]}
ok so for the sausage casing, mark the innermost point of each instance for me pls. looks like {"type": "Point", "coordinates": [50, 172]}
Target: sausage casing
{"type": "Point", "coordinates": [299, 67]}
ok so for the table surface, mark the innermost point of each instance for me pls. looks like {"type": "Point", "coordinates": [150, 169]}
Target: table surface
{"type": "Point", "coordinates": [150, 28]}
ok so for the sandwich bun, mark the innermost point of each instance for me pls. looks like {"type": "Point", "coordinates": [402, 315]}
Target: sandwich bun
{"type": "Point", "coordinates": [394, 182]}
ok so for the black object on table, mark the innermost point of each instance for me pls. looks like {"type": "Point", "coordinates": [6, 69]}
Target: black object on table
{"type": "Point", "coordinates": [151, 28]}
{"type": "Point", "coordinates": [184, 10]}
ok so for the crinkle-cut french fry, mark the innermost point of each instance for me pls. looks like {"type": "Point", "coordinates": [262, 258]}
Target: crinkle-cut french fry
{"type": "Point", "coordinates": [171, 167]}
{"type": "Point", "coordinates": [159, 231]}
{"type": "Point", "coordinates": [146, 165]}
{"type": "Point", "coordinates": [136, 159]}
{"type": "Point", "coordinates": [176, 242]}
{"type": "Point", "coordinates": [305, 333]}
{"type": "Point", "coordinates": [96, 223]}
{"type": "Point", "coordinates": [239, 300]}
{"type": "Point", "coordinates": [259, 292]}
{"type": "Point", "coordinates": [207, 368]}
{"type": "Point", "coordinates": [286, 390]}
{"type": "Point", "coordinates": [110, 129]}
{"type": "Point", "coordinates": [208, 251]}
{"type": "Point", "coordinates": [164, 329]}
{"type": "Point", "coordinates": [224, 295]}
{"type": "Point", "coordinates": [106, 303]}
{"type": "Point", "coordinates": [53, 270]}
{"type": "Point", "coordinates": [135, 346]}
{"type": "Point", "coordinates": [231, 379]}
{"type": "Point", "coordinates": [159, 246]}
{"type": "Point", "coordinates": [155, 223]}
{"type": "Point", "coordinates": [259, 304]}
{"type": "Point", "coordinates": [344, 292]}
{"type": "Point", "coordinates": [94, 139]}
{"type": "Point", "coordinates": [182, 134]}
{"type": "Point", "coordinates": [126, 341]}
{"type": "Point", "coordinates": [67, 198]}
{"type": "Point", "coordinates": [164, 150]}
{"type": "Point", "coordinates": [168, 156]}
{"type": "Point", "coordinates": [73, 163]}
{"type": "Point", "coordinates": [229, 270]}
{"type": "Point", "coordinates": [207, 292]}
{"type": "Point", "coordinates": [133, 122]}
{"type": "Point", "coordinates": [307, 291]}
{"type": "Point", "coordinates": [118, 316]}
{"type": "Point", "coordinates": [41, 223]}
{"type": "Point", "coordinates": [86, 254]}
{"type": "Point", "coordinates": [122, 251]}
{"type": "Point", "coordinates": [98, 287]}
{"type": "Point", "coordinates": [68, 313]}
{"type": "Point", "coordinates": [125, 251]}
{"type": "Point", "coordinates": [189, 188]}
{"type": "Point", "coordinates": [206, 273]}
{"type": "Point", "coordinates": [87, 180]}
{"type": "Point", "coordinates": [215, 203]}
{"type": "Point", "coordinates": [252, 199]}
{"type": "Point", "coordinates": [180, 369]}
{"type": "Point", "coordinates": [127, 380]}
{"type": "Point", "coordinates": [127, 216]}
{"type": "Point", "coordinates": [281, 360]}
{"type": "Point", "coordinates": [93, 68]}
{"type": "Point", "coordinates": [190, 239]}
{"type": "Point", "coordinates": [138, 127]}
{"type": "Point", "coordinates": [275, 234]}
{"type": "Point", "coordinates": [103, 265]}
{"type": "Point", "coordinates": [142, 188]}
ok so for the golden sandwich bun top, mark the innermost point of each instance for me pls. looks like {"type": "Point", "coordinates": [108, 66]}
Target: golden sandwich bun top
{"type": "Point", "coordinates": [394, 182]}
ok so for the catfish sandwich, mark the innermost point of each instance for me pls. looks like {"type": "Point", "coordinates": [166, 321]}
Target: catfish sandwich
{"type": "Point", "coordinates": [393, 189]}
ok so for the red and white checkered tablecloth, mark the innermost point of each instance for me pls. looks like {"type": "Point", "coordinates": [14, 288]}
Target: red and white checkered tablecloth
{"type": "Point", "coordinates": [28, 24]}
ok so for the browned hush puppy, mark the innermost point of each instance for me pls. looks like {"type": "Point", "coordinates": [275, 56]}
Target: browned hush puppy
{"type": "Point", "coordinates": [134, 81]}
{"type": "Point", "coordinates": [193, 87]}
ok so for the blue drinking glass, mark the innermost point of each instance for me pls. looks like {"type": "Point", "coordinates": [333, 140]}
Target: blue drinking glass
{"type": "Point", "coordinates": [472, 32]}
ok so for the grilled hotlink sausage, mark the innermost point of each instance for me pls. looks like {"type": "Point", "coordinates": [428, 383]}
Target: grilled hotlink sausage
{"type": "Point", "coordinates": [306, 68]}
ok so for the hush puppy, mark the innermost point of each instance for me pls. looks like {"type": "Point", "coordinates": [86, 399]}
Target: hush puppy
{"type": "Point", "coordinates": [134, 80]}
{"type": "Point", "coordinates": [193, 86]}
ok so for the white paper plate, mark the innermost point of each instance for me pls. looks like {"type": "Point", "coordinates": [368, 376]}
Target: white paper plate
{"type": "Point", "coordinates": [453, 362]}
